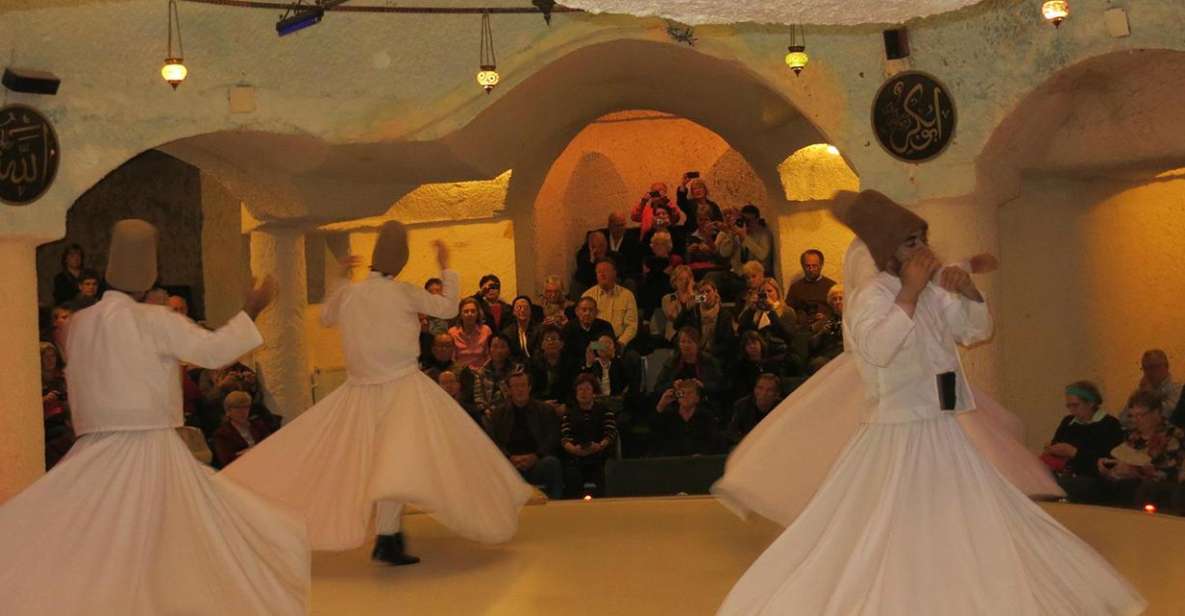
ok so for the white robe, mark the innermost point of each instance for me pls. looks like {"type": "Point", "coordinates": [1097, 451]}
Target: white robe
{"type": "Point", "coordinates": [389, 433]}
{"type": "Point", "coordinates": [128, 522]}
{"type": "Point", "coordinates": [911, 519]}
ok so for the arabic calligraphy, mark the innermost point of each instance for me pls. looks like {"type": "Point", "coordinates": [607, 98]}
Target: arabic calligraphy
{"type": "Point", "coordinates": [913, 116]}
{"type": "Point", "coordinates": [28, 154]}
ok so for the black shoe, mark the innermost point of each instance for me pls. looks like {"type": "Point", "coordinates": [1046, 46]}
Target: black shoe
{"type": "Point", "coordinates": [389, 549]}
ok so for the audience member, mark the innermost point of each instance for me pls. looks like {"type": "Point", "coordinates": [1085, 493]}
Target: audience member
{"type": "Point", "coordinates": [666, 218]}
{"type": "Point", "coordinates": [237, 433]}
{"type": "Point", "coordinates": [552, 370]}
{"type": "Point", "coordinates": [684, 426]}
{"type": "Point", "coordinates": [715, 323]}
{"type": "Point", "coordinates": [754, 274]}
{"type": "Point", "coordinates": [595, 249]}
{"type": "Point", "coordinates": [702, 255]}
{"type": "Point", "coordinates": [555, 307]}
{"type": "Point", "coordinates": [776, 323]}
{"type": "Point", "coordinates": [59, 317]}
{"type": "Point", "coordinates": [489, 388]}
{"type": "Point", "coordinates": [441, 356]}
{"type": "Point", "coordinates": [615, 303]}
{"type": "Point", "coordinates": [55, 410]}
{"type": "Point", "coordinates": [179, 305]}
{"type": "Point", "coordinates": [495, 312]}
{"type": "Point", "coordinates": [808, 295]}
{"type": "Point", "coordinates": [88, 291]}
{"type": "Point", "coordinates": [451, 383]}
{"type": "Point", "coordinates": [690, 362]}
{"type": "Point", "coordinates": [585, 328]}
{"type": "Point", "coordinates": [588, 433]}
{"type": "Point", "coordinates": [435, 325]}
{"type": "Point", "coordinates": [747, 412]}
{"type": "Point", "coordinates": [528, 432]}
{"type": "Point", "coordinates": [1086, 434]}
{"type": "Point", "coordinates": [679, 300]}
{"type": "Point", "coordinates": [626, 244]}
{"type": "Point", "coordinates": [656, 275]}
{"type": "Point", "coordinates": [471, 336]}
{"type": "Point", "coordinates": [758, 244]}
{"type": "Point", "coordinates": [826, 336]}
{"type": "Point", "coordinates": [157, 296]}
{"type": "Point", "coordinates": [602, 361]}
{"type": "Point", "coordinates": [66, 283]}
{"type": "Point", "coordinates": [752, 363]}
{"type": "Point", "coordinates": [1147, 467]}
{"type": "Point", "coordinates": [523, 331]}
{"type": "Point", "coordinates": [1158, 379]}
{"type": "Point", "coordinates": [690, 195]}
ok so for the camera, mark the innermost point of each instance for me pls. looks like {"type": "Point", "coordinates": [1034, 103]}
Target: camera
{"type": "Point", "coordinates": [691, 175]}
{"type": "Point", "coordinates": [654, 194]}
{"type": "Point", "coordinates": [700, 298]}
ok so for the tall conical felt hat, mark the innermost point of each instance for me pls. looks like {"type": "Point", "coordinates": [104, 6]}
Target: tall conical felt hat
{"type": "Point", "coordinates": [879, 221]}
{"type": "Point", "coordinates": [390, 251]}
{"type": "Point", "coordinates": [131, 261]}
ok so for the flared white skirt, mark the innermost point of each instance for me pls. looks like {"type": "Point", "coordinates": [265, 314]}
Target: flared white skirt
{"type": "Point", "coordinates": [403, 440]}
{"type": "Point", "coordinates": [130, 524]}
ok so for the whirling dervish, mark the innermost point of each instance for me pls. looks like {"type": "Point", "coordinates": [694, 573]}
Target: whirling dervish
{"type": "Point", "coordinates": [129, 522]}
{"type": "Point", "coordinates": [902, 489]}
{"type": "Point", "coordinates": [388, 436]}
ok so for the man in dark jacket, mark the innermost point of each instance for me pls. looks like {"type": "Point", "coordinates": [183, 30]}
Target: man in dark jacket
{"type": "Point", "coordinates": [528, 432]}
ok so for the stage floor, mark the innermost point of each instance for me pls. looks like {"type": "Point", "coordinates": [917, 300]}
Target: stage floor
{"type": "Point", "coordinates": [652, 556]}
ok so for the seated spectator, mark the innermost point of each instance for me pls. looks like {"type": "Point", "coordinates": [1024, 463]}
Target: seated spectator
{"type": "Point", "coordinates": [67, 282]}
{"type": "Point", "coordinates": [758, 244]}
{"type": "Point", "coordinates": [1158, 379]}
{"type": "Point", "coordinates": [1086, 434]}
{"type": "Point", "coordinates": [643, 213]}
{"type": "Point", "coordinates": [88, 292]}
{"type": "Point", "coordinates": [471, 336]}
{"type": "Point", "coordinates": [238, 432]}
{"type": "Point", "coordinates": [435, 325]}
{"type": "Point", "coordinates": [750, 410]}
{"type": "Point", "coordinates": [675, 303]}
{"type": "Point", "coordinates": [689, 362]}
{"type": "Point", "coordinates": [752, 363]}
{"type": "Point", "coordinates": [615, 303]}
{"type": "Point", "coordinates": [808, 295]}
{"type": "Point", "coordinates": [555, 307]}
{"type": "Point", "coordinates": [826, 336]}
{"type": "Point", "coordinates": [776, 323]}
{"type": "Point", "coordinates": [179, 305]}
{"type": "Point", "coordinates": [216, 384]}
{"type": "Point", "coordinates": [450, 382]}
{"type": "Point", "coordinates": [588, 433]}
{"type": "Point", "coordinates": [656, 275]}
{"type": "Point", "coordinates": [552, 370]}
{"type": "Point", "coordinates": [441, 356]}
{"type": "Point", "coordinates": [528, 432]}
{"type": "Point", "coordinates": [523, 331]}
{"type": "Point", "coordinates": [1147, 467]}
{"type": "Point", "coordinates": [754, 274]}
{"type": "Point", "coordinates": [602, 361]}
{"type": "Point", "coordinates": [585, 328]}
{"type": "Point", "coordinates": [666, 218]}
{"type": "Point", "coordinates": [55, 410]}
{"type": "Point", "coordinates": [715, 323]}
{"type": "Point", "coordinates": [702, 256]}
{"type": "Point", "coordinates": [595, 248]}
{"type": "Point", "coordinates": [626, 244]}
{"type": "Point", "coordinates": [495, 312]}
{"type": "Point", "coordinates": [691, 194]}
{"type": "Point", "coordinates": [489, 388]}
{"type": "Point", "coordinates": [730, 245]}
{"type": "Point", "coordinates": [59, 317]}
{"type": "Point", "coordinates": [685, 426]}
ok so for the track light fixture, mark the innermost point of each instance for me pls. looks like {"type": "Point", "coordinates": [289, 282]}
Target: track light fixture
{"type": "Point", "coordinates": [297, 19]}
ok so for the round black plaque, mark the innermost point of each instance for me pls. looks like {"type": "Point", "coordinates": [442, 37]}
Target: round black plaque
{"type": "Point", "coordinates": [913, 116]}
{"type": "Point", "coordinates": [28, 154]}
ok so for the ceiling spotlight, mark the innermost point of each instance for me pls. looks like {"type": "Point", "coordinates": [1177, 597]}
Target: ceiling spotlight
{"type": "Point", "coordinates": [297, 19]}
{"type": "Point", "coordinates": [174, 71]}
{"type": "Point", "coordinates": [1055, 11]}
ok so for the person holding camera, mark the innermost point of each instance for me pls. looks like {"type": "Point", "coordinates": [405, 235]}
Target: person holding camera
{"type": "Point", "coordinates": [690, 361]}
{"type": "Point", "coordinates": [715, 322]}
{"type": "Point", "coordinates": [495, 312]}
{"type": "Point", "coordinates": [691, 194]}
{"type": "Point", "coordinates": [702, 255]}
{"type": "Point", "coordinates": [743, 237]}
{"type": "Point", "coordinates": [644, 212]}
{"type": "Point", "coordinates": [684, 425]}
{"type": "Point", "coordinates": [826, 336]}
{"type": "Point", "coordinates": [776, 323]}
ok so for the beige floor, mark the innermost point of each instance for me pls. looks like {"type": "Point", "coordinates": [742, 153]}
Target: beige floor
{"type": "Point", "coordinates": [659, 556]}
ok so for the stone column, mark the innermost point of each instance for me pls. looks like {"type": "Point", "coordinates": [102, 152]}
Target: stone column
{"type": "Point", "coordinates": [22, 440]}
{"type": "Point", "coordinates": [284, 357]}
